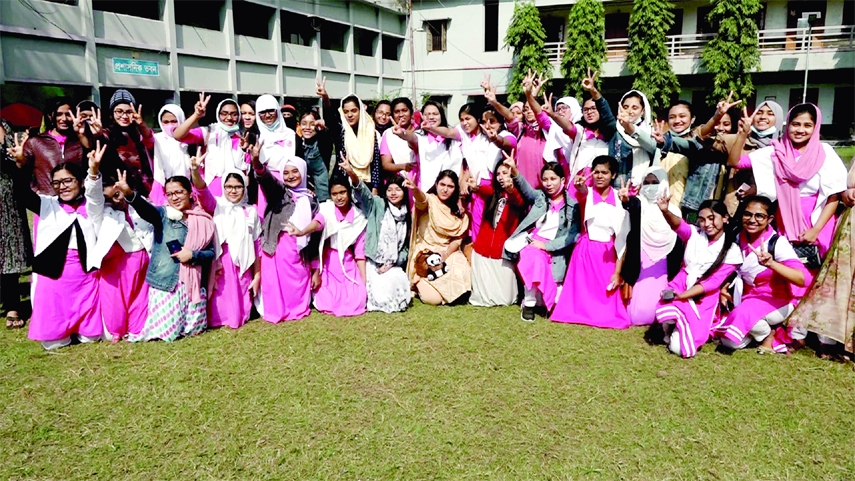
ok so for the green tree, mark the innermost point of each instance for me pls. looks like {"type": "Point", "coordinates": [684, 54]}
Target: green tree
{"type": "Point", "coordinates": [648, 52]}
{"type": "Point", "coordinates": [586, 44]}
{"type": "Point", "coordinates": [734, 52]}
{"type": "Point", "coordinates": [526, 36]}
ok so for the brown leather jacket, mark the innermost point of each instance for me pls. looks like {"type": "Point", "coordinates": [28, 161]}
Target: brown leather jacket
{"type": "Point", "coordinates": [43, 153]}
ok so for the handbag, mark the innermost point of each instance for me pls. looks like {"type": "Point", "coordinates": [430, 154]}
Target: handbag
{"type": "Point", "coordinates": [808, 254]}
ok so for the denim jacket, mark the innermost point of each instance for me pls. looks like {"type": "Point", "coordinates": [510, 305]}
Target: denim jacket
{"type": "Point", "coordinates": [704, 169]}
{"type": "Point", "coordinates": [568, 225]}
{"type": "Point", "coordinates": [162, 269]}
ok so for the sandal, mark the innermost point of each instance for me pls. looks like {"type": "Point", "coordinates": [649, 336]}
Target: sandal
{"type": "Point", "coordinates": [14, 322]}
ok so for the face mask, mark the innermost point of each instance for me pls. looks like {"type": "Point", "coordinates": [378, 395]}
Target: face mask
{"type": "Point", "coordinates": [649, 192]}
{"type": "Point", "coordinates": [764, 133]}
{"type": "Point", "coordinates": [170, 130]}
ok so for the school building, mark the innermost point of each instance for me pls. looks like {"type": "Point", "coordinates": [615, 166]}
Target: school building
{"type": "Point", "coordinates": [458, 41]}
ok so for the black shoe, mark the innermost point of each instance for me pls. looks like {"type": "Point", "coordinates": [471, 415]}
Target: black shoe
{"type": "Point", "coordinates": [527, 314]}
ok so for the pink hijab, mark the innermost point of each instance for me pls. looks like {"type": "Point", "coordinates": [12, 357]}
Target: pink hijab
{"type": "Point", "coordinates": [200, 233]}
{"type": "Point", "coordinates": [789, 174]}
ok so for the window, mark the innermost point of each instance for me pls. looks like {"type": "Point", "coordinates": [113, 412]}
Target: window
{"type": "Point", "coordinates": [844, 116]}
{"type": "Point", "coordinates": [491, 25]}
{"type": "Point", "coordinates": [392, 47]}
{"type": "Point", "coordinates": [203, 14]}
{"type": "Point", "coordinates": [704, 25]}
{"type": "Point", "coordinates": [812, 95]}
{"type": "Point", "coordinates": [150, 10]}
{"type": "Point", "coordinates": [848, 13]}
{"type": "Point", "coordinates": [364, 42]}
{"type": "Point", "coordinates": [252, 19]}
{"type": "Point", "coordinates": [334, 36]}
{"type": "Point", "coordinates": [617, 25]}
{"type": "Point", "coordinates": [677, 26]}
{"type": "Point", "coordinates": [436, 33]}
{"type": "Point", "coordinates": [796, 9]}
{"type": "Point", "coordinates": [298, 29]}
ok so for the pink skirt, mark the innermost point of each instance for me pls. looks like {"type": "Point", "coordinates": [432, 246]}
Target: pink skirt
{"type": "Point", "coordinates": [285, 283]}
{"type": "Point", "coordinates": [652, 280]}
{"type": "Point", "coordinates": [65, 306]}
{"type": "Point", "coordinates": [124, 291]}
{"type": "Point", "coordinates": [584, 299]}
{"type": "Point", "coordinates": [338, 295]}
{"type": "Point", "coordinates": [694, 329]}
{"type": "Point", "coordinates": [535, 268]}
{"type": "Point", "coordinates": [230, 304]}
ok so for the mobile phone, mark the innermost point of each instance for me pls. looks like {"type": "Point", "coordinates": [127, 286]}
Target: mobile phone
{"type": "Point", "coordinates": [668, 295]}
{"type": "Point", "coordinates": [742, 189]}
{"type": "Point", "coordinates": [173, 246]}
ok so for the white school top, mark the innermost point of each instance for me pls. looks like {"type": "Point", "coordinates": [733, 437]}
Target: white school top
{"type": "Point", "coordinates": [751, 268]}
{"type": "Point", "coordinates": [434, 157]}
{"type": "Point", "coordinates": [111, 226]}
{"type": "Point", "coordinates": [399, 148]}
{"type": "Point", "coordinates": [830, 180]}
{"type": "Point", "coordinates": [54, 220]}
{"type": "Point", "coordinates": [604, 220]}
{"type": "Point", "coordinates": [481, 155]}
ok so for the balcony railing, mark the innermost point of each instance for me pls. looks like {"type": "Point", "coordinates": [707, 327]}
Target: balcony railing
{"type": "Point", "coordinates": [836, 37]}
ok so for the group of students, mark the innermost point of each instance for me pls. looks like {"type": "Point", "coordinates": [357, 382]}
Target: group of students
{"type": "Point", "coordinates": [574, 213]}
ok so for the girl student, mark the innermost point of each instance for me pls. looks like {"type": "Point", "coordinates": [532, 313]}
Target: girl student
{"type": "Point", "coordinates": [540, 243]}
{"type": "Point", "coordinates": [237, 264]}
{"type": "Point", "coordinates": [221, 140]}
{"type": "Point", "coordinates": [130, 141]}
{"type": "Point", "coordinates": [687, 308]}
{"type": "Point", "coordinates": [532, 138]}
{"type": "Point", "coordinates": [179, 271]}
{"type": "Point", "coordinates": [338, 274]}
{"type": "Point", "coordinates": [435, 153]}
{"type": "Point", "coordinates": [285, 276]}
{"type": "Point", "coordinates": [653, 254]}
{"type": "Point", "coordinates": [277, 141]}
{"type": "Point", "coordinates": [596, 128]}
{"type": "Point", "coordinates": [482, 139]}
{"type": "Point", "coordinates": [440, 225]}
{"type": "Point", "coordinates": [170, 156]}
{"type": "Point", "coordinates": [805, 176]}
{"type": "Point", "coordinates": [769, 269]}
{"type": "Point", "coordinates": [387, 239]}
{"type": "Point", "coordinates": [354, 133]}
{"type": "Point", "coordinates": [494, 279]}
{"type": "Point", "coordinates": [123, 248]}
{"type": "Point", "coordinates": [395, 153]}
{"type": "Point", "coordinates": [633, 146]}
{"type": "Point", "coordinates": [317, 150]}
{"type": "Point", "coordinates": [591, 295]}
{"type": "Point", "coordinates": [65, 281]}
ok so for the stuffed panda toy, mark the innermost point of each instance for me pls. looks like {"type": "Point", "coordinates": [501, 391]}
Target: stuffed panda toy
{"type": "Point", "coordinates": [430, 265]}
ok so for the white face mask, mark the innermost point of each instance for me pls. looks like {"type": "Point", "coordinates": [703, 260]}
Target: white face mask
{"type": "Point", "coordinates": [649, 192]}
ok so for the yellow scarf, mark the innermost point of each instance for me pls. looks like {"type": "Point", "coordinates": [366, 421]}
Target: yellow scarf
{"type": "Point", "coordinates": [359, 145]}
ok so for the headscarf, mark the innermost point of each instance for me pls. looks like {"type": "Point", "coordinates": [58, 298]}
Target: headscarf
{"type": "Point", "coordinates": [359, 145]}
{"type": "Point", "coordinates": [170, 156]}
{"type": "Point", "coordinates": [557, 139]}
{"type": "Point", "coordinates": [200, 233]}
{"type": "Point", "coordinates": [657, 237]}
{"type": "Point", "coordinates": [301, 197]}
{"type": "Point", "coordinates": [237, 225]}
{"type": "Point", "coordinates": [789, 173]}
{"type": "Point", "coordinates": [575, 108]}
{"type": "Point", "coordinates": [640, 157]}
{"type": "Point", "coordinates": [279, 139]}
{"type": "Point", "coordinates": [222, 158]}
{"type": "Point", "coordinates": [766, 137]}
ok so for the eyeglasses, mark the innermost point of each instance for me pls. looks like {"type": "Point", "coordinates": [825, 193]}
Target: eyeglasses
{"type": "Point", "coordinates": [589, 109]}
{"type": "Point", "coordinates": [561, 108]}
{"type": "Point", "coordinates": [756, 215]}
{"type": "Point", "coordinates": [176, 194]}
{"type": "Point", "coordinates": [123, 113]}
{"type": "Point", "coordinates": [65, 182]}
{"type": "Point", "coordinates": [233, 188]}
{"type": "Point", "coordinates": [267, 113]}
{"type": "Point", "coordinates": [232, 115]}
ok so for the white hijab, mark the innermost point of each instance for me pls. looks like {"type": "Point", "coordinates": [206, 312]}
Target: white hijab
{"type": "Point", "coordinates": [640, 157]}
{"type": "Point", "coordinates": [557, 139]}
{"type": "Point", "coordinates": [279, 140]}
{"type": "Point", "coordinates": [222, 158]}
{"type": "Point", "coordinates": [657, 237]}
{"type": "Point", "coordinates": [238, 226]}
{"type": "Point", "coordinates": [341, 235]}
{"type": "Point", "coordinates": [170, 156]}
{"type": "Point", "coordinates": [301, 195]}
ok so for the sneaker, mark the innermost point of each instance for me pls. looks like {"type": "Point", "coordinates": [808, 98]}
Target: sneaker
{"type": "Point", "coordinates": [527, 314]}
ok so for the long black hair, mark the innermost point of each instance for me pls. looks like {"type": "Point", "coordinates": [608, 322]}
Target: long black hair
{"type": "Point", "coordinates": [50, 112]}
{"type": "Point", "coordinates": [731, 232]}
{"type": "Point", "coordinates": [453, 201]}
{"type": "Point", "coordinates": [490, 209]}
{"type": "Point", "coordinates": [254, 128]}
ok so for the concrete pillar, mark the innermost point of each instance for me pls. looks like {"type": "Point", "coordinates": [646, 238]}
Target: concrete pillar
{"type": "Point", "coordinates": [91, 55]}
{"type": "Point", "coordinates": [229, 32]}
{"type": "Point", "coordinates": [169, 23]}
{"type": "Point", "coordinates": [277, 50]}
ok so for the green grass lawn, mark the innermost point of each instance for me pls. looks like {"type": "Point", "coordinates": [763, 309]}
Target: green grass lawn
{"type": "Point", "coordinates": [433, 393]}
{"type": "Point", "coordinates": [846, 153]}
